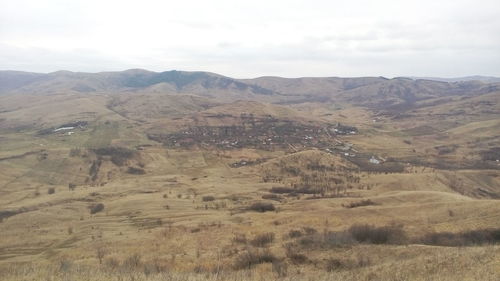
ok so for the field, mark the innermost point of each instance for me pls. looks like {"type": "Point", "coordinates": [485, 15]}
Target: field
{"type": "Point", "coordinates": [212, 189]}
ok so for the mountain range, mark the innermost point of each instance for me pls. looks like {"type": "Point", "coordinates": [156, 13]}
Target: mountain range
{"type": "Point", "coordinates": [372, 92]}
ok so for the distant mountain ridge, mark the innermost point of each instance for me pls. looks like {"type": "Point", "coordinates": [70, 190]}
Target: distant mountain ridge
{"type": "Point", "coordinates": [486, 79]}
{"type": "Point", "coordinates": [371, 92]}
{"type": "Point", "coordinates": [128, 80]}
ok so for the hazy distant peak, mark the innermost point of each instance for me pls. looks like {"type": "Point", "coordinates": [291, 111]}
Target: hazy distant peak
{"type": "Point", "coordinates": [486, 79]}
{"type": "Point", "coordinates": [61, 72]}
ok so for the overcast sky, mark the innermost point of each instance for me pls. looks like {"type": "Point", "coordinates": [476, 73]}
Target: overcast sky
{"type": "Point", "coordinates": [244, 39]}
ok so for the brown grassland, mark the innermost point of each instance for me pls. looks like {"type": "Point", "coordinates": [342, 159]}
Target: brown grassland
{"type": "Point", "coordinates": [161, 186]}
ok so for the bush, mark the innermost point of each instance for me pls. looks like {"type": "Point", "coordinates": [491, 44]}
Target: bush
{"type": "Point", "coordinates": [295, 233]}
{"type": "Point", "coordinates": [280, 268]}
{"type": "Point", "coordinates": [51, 190]}
{"type": "Point", "coordinates": [250, 258]}
{"type": "Point", "coordinates": [337, 238]}
{"type": "Point", "coordinates": [466, 238]}
{"type": "Point", "coordinates": [136, 171]}
{"type": "Point", "coordinates": [281, 189]}
{"type": "Point", "coordinates": [6, 214]}
{"type": "Point", "coordinates": [133, 261]}
{"type": "Point", "coordinates": [240, 238]}
{"type": "Point", "coordinates": [207, 198]}
{"type": "Point", "coordinates": [75, 152]}
{"type": "Point", "coordinates": [274, 197]}
{"type": "Point", "coordinates": [119, 155]}
{"type": "Point", "coordinates": [262, 207]}
{"type": "Point", "coordinates": [358, 233]}
{"type": "Point", "coordinates": [262, 240]}
{"type": "Point", "coordinates": [329, 239]}
{"type": "Point", "coordinates": [361, 203]}
{"type": "Point", "coordinates": [96, 208]}
{"type": "Point", "coordinates": [112, 263]}
{"type": "Point", "coordinates": [335, 264]}
{"type": "Point", "coordinates": [364, 233]}
{"type": "Point", "coordinates": [309, 230]}
{"type": "Point", "coordinates": [297, 258]}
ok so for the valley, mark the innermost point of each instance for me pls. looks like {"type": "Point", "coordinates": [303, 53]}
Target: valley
{"type": "Point", "coordinates": [140, 175]}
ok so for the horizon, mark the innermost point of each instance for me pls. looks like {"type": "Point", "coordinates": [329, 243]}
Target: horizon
{"type": "Point", "coordinates": [263, 76]}
{"type": "Point", "coordinates": [252, 39]}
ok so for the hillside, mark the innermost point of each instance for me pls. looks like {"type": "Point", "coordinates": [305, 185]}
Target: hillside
{"type": "Point", "coordinates": [202, 83]}
{"type": "Point", "coordinates": [141, 175]}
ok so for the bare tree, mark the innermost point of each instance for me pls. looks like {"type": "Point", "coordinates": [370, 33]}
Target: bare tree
{"type": "Point", "coordinates": [101, 252]}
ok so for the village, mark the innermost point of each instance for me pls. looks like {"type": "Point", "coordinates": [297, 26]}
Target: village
{"type": "Point", "coordinates": [269, 134]}
{"type": "Point", "coordinates": [260, 133]}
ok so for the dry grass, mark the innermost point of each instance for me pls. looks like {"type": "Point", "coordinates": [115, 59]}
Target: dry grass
{"type": "Point", "coordinates": [467, 264]}
{"type": "Point", "coordinates": [186, 217]}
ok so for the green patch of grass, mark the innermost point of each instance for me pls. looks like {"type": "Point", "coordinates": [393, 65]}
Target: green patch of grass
{"type": "Point", "coordinates": [420, 131]}
{"type": "Point", "coordinates": [103, 134]}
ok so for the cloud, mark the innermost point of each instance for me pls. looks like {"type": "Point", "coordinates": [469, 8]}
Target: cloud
{"type": "Point", "coordinates": [253, 38]}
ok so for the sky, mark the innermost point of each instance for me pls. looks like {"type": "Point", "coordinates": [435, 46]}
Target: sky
{"type": "Point", "coordinates": [246, 39]}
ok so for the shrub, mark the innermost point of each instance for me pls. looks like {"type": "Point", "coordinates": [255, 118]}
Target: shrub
{"type": "Point", "coordinates": [65, 265]}
{"type": "Point", "coordinates": [263, 239]}
{"type": "Point", "coordinates": [362, 233]}
{"type": "Point", "coordinates": [101, 252]}
{"type": "Point", "coordinates": [295, 233]}
{"type": "Point", "coordinates": [334, 265]}
{"type": "Point", "coordinates": [112, 262]}
{"type": "Point", "coordinates": [329, 239]}
{"type": "Point", "coordinates": [309, 230]}
{"type": "Point", "coordinates": [361, 203]}
{"type": "Point", "coordinates": [6, 214]}
{"type": "Point", "coordinates": [281, 189]}
{"type": "Point", "coordinates": [391, 234]}
{"type": "Point", "coordinates": [133, 261]}
{"type": "Point", "coordinates": [94, 169]}
{"type": "Point", "coordinates": [280, 268]}
{"type": "Point", "coordinates": [51, 190]}
{"type": "Point", "coordinates": [75, 152]}
{"type": "Point", "coordinates": [136, 171]}
{"type": "Point", "coordinates": [482, 236]}
{"type": "Point", "coordinates": [119, 155]}
{"type": "Point", "coordinates": [250, 257]}
{"type": "Point", "coordinates": [240, 238]}
{"type": "Point", "coordinates": [154, 266]}
{"type": "Point", "coordinates": [308, 241]}
{"type": "Point", "coordinates": [96, 208]}
{"type": "Point", "coordinates": [207, 198]}
{"type": "Point", "coordinates": [262, 207]}
{"type": "Point", "coordinates": [362, 260]}
{"type": "Point", "coordinates": [274, 197]}
{"type": "Point", "coordinates": [466, 238]}
{"type": "Point", "coordinates": [337, 238]}
{"type": "Point", "coordinates": [297, 258]}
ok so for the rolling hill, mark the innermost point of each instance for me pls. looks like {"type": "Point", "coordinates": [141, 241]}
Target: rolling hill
{"type": "Point", "coordinates": [140, 175]}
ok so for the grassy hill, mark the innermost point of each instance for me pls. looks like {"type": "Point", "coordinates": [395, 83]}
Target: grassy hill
{"type": "Point", "coordinates": [140, 175]}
